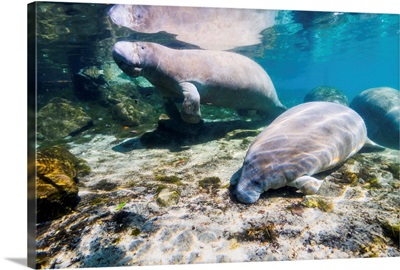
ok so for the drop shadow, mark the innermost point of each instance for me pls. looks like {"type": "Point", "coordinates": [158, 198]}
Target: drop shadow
{"type": "Point", "coordinates": [20, 261]}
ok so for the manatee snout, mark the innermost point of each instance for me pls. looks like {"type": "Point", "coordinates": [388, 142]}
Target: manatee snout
{"type": "Point", "coordinates": [124, 54]}
{"type": "Point", "coordinates": [248, 191]}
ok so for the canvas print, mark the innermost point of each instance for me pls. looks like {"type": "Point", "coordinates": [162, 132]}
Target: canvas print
{"type": "Point", "coordinates": [164, 135]}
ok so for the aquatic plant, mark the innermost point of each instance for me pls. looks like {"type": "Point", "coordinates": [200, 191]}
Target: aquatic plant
{"type": "Point", "coordinates": [210, 184]}
{"type": "Point", "coordinates": [170, 179]}
{"type": "Point", "coordinates": [135, 232]}
{"type": "Point", "coordinates": [351, 178]}
{"type": "Point", "coordinates": [316, 201]}
{"type": "Point", "coordinates": [261, 233]}
{"type": "Point", "coordinates": [120, 206]}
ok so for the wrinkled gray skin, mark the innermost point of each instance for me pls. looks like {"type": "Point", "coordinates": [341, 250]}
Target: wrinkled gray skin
{"type": "Point", "coordinates": [327, 93]}
{"type": "Point", "coordinates": [305, 140]}
{"type": "Point", "coordinates": [215, 78]}
{"type": "Point", "coordinates": [380, 109]}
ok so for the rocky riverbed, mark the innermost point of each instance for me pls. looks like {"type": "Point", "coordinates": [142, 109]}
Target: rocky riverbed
{"type": "Point", "coordinates": [165, 198]}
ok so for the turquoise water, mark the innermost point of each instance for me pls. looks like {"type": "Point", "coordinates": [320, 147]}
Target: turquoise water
{"type": "Point", "coordinates": [350, 51]}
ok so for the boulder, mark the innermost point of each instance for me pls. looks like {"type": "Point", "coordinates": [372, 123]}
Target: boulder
{"type": "Point", "coordinates": [56, 188]}
{"type": "Point", "coordinates": [132, 112]}
{"type": "Point", "coordinates": [61, 118]}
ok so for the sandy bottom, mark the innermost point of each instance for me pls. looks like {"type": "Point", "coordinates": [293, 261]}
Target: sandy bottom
{"type": "Point", "coordinates": [121, 220]}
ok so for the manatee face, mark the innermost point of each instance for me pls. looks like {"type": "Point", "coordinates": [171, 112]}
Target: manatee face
{"type": "Point", "coordinates": [130, 57]}
{"type": "Point", "coordinates": [133, 17]}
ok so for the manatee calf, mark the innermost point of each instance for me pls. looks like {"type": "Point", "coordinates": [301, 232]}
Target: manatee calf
{"type": "Point", "coordinates": [327, 93]}
{"type": "Point", "coordinates": [304, 140]}
{"type": "Point", "coordinates": [380, 109]}
{"type": "Point", "coordinates": [217, 78]}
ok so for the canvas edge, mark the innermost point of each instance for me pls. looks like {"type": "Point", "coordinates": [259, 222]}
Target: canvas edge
{"type": "Point", "coordinates": [31, 151]}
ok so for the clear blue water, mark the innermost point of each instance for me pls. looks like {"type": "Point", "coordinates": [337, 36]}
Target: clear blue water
{"type": "Point", "coordinates": [354, 53]}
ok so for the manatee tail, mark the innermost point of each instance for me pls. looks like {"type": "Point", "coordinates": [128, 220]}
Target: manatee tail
{"type": "Point", "coordinates": [370, 146]}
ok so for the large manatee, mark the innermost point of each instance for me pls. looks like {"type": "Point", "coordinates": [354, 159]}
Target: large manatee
{"type": "Point", "coordinates": [380, 109]}
{"type": "Point", "coordinates": [217, 78]}
{"type": "Point", "coordinates": [208, 28]}
{"type": "Point", "coordinates": [305, 140]}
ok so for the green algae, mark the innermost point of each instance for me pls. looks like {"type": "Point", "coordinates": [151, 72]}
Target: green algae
{"type": "Point", "coordinates": [135, 232]}
{"type": "Point", "coordinates": [169, 179]}
{"type": "Point", "coordinates": [373, 183]}
{"type": "Point", "coordinates": [210, 184]}
{"type": "Point", "coordinates": [120, 206]}
{"type": "Point", "coordinates": [392, 229]}
{"type": "Point", "coordinates": [259, 233]}
{"type": "Point", "coordinates": [315, 201]}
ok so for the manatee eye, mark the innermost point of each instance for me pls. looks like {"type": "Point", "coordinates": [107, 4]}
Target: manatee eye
{"type": "Point", "coordinates": [256, 183]}
{"type": "Point", "coordinates": [142, 47]}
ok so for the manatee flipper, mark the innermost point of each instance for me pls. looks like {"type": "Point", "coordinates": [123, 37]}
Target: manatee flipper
{"type": "Point", "coordinates": [191, 104]}
{"type": "Point", "coordinates": [370, 146]}
{"type": "Point", "coordinates": [307, 184]}
{"type": "Point", "coordinates": [171, 110]}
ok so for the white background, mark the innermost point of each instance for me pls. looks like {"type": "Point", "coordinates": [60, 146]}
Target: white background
{"type": "Point", "coordinates": [13, 230]}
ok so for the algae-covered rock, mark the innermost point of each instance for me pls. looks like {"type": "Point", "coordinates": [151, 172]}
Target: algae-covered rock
{"type": "Point", "coordinates": [167, 197]}
{"type": "Point", "coordinates": [392, 229]}
{"type": "Point", "coordinates": [132, 112]}
{"type": "Point", "coordinates": [88, 82]}
{"type": "Point", "coordinates": [327, 93]}
{"type": "Point", "coordinates": [210, 184]}
{"type": "Point", "coordinates": [60, 118]}
{"type": "Point", "coordinates": [316, 201]}
{"type": "Point", "coordinates": [80, 166]}
{"type": "Point", "coordinates": [56, 189]}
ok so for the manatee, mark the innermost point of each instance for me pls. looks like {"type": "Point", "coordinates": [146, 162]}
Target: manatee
{"type": "Point", "coordinates": [207, 28]}
{"type": "Point", "coordinates": [217, 78]}
{"type": "Point", "coordinates": [380, 109]}
{"type": "Point", "coordinates": [307, 139]}
{"type": "Point", "coordinates": [327, 93]}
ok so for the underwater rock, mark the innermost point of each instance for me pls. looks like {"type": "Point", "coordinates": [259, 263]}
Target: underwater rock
{"type": "Point", "coordinates": [223, 79]}
{"type": "Point", "coordinates": [87, 83]}
{"type": "Point", "coordinates": [208, 28]}
{"type": "Point", "coordinates": [167, 197]}
{"type": "Point", "coordinates": [380, 109]}
{"type": "Point", "coordinates": [327, 93]}
{"type": "Point", "coordinates": [315, 201]}
{"type": "Point", "coordinates": [145, 88]}
{"type": "Point", "coordinates": [297, 145]}
{"type": "Point", "coordinates": [57, 192]}
{"type": "Point", "coordinates": [210, 184]}
{"type": "Point", "coordinates": [60, 118]}
{"type": "Point", "coordinates": [133, 112]}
